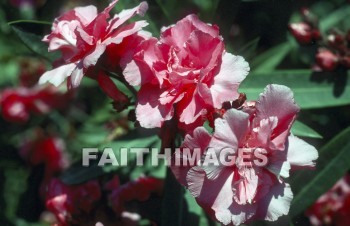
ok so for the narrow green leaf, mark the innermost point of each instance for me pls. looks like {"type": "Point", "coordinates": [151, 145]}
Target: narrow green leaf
{"type": "Point", "coordinates": [270, 59]}
{"type": "Point", "coordinates": [333, 163]}
{"type": "Point", "coordinates": [34, 43]}
{"type": "Point", "coordinates": [335, 18]}
{"type": "Point", "coordinates": [14, 186]}
{"type": "Point", "coordinates": [311, 89]}
{"type": "Point", "coordinates": [300, 129]}
{"type": "Point", "coordinates": [30, 22]}
{"type": "Point", "coordinates": [248, 50]}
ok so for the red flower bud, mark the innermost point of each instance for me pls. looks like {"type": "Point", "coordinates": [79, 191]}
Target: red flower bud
{"type": "Point", "coordinates": [327, 60]}
{"type": "Point", "coordinates": [302, 32]}
{"type": "Point", "coordinates": [337, 41]}
{"type": "Point", "coordinates": [120, 100]}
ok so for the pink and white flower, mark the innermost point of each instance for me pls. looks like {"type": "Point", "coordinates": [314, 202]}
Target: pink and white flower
{"type": "Point", "coordinates": [242, 191]}
{"type": "Point", "coordinates": [184, 74]}
{"type": "Point", "coordinates": [83, 36]}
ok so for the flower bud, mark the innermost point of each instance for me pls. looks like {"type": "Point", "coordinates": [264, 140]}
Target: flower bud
{"type": "Point", "coordinates": [327, 60]}
{"type": "Point", "coordinates": [302, 32]}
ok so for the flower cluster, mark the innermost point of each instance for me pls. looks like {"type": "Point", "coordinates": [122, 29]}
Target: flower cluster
{"type": "Point", "coordinates": [72, 204]}
{"type": "Point", "coordinates": [333, 207]}
{"type": "Point", "coordinates": [333, 48]}
{"type": "Point", "coordinates": [185, 78]}
{"type": "Point", "coordinates": [82, 204]}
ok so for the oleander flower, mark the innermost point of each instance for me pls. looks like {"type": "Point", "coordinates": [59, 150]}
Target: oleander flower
{"type": "Point", "coordinates": [184, 74]}
{"type": "Point", "coordinates": [83, 36]}
{"type": "Point", "coordinates": [241, 189]}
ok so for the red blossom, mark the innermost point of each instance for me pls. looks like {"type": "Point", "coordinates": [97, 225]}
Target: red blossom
{"type": "Point", "coordinates": [139, 190]}
{"type": "Point", "coordinates": [18, 103]}
{"type": "Point", "coordinates": [72, 204]}
{"type": "Point", "coordinates": [333, 207]}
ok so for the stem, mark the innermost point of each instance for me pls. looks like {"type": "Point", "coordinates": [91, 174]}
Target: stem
{"type": "Point", "coordinates": [172, 201]}
{"type": "Point", "coordinates": [122, 80]}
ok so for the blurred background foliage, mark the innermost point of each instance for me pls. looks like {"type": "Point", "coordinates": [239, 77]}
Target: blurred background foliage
{"type": "Point", "coordinates": [256, 29]}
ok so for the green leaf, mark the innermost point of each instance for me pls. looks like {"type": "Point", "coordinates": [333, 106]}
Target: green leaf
{"type": "Point", "coordinates": [270, 59]}
{"type": "Point", "coordinates": [21, 222]}
{"type": "Point", "coordinates": [33, 41]}
{"type": "Point", "coordinates": [249, 49]}
{"type": "Point", "coordinates": [311, 89]}
{"type": "Point", "coordinates": [300, 129]}
{"type": "Point", "coordinates": [14, 186]}
{"type": "Point", "coordinates": [334, 18]}
{"type": "Point", "coordinates": [333, 163]}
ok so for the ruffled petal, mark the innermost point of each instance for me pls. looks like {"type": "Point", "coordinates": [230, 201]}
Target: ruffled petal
{"type": "Point", "coordinates": [276, 203]}
{"type": "Point", "coordinates": [300, 153]}
{"type": "Point", "coordinates": [232, 72]}
{"type": "Point", "coordinates": [58, 75]}
{"type": "Point", "coordinates": [277, 101]}
{"type": "Point", "coordinates": [199, 141]}
{"type": "Point", "coordinates": [149, 112]}
{"type": "Point", "coordinates": [126, 14]}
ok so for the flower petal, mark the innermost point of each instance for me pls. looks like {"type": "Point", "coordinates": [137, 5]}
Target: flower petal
{"type": "Point", "coordinates": [92, 58]}
{"type": "Point", "coordinates": [277, 101]}
{"type": "Point", "coordinates": [276, 203]}
{"type": "Point", "coordinates": [58, 75]}
{"type": "Point", "coordinates": [126, 14]}
{"type": "Point", "coordinates": [149, 112]}
{"type": "Point", "coordinates": [300, 153]}
{"type": "Point", "coordinates": [232, 72]}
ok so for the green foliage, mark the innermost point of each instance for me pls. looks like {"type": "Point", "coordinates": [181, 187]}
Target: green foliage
{"type": "Point", "coordinates": [270, 59]}
{"type": "Point", "coordinates": [332, 164]}
{"type": "Point", "coordinates": [311, 90]}
{"type": "Point", "coordinates": [15, 184]}
{"type": "Point", "coordinates": [33, 41]}
{"type": "Point", "coordinates": [300, 129]}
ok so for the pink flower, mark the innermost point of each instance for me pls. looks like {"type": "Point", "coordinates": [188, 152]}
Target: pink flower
{"type": "Point", "coordinates": [83, 36]}
{"type": "Point", "coordinates": [184, 74]}
{"type": "Point", "coordinates": [333, 207]}
{"type": "Point", "coordinates": [242, 190]}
